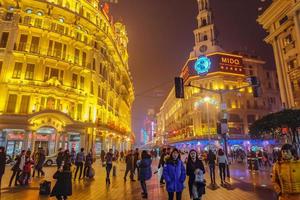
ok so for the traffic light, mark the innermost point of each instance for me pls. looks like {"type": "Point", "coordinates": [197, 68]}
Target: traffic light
{"type": "Point", "coordinates": [179, 87]}
{"type": "Point", "coordinates": [255, 86]}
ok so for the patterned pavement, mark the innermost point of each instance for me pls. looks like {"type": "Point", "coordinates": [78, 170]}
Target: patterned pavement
{"type": "Point", "coordinates": [243, 185]}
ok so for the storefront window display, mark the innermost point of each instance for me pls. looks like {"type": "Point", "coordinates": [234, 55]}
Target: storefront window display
{"type": "Point", "coordinates": [74, 141]}
{"type": "Point", "coordinates": [45, 138]}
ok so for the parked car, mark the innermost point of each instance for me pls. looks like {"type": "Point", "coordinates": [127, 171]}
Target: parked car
{"type": "Point", "coordinates": [50, 160]}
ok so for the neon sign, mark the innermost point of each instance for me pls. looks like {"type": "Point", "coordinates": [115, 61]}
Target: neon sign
{"type": "Point", "coordinates": [202, 65]}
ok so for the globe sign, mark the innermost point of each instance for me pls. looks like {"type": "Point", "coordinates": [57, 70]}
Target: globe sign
{"type": "Point", "coordinates": [202, 65]}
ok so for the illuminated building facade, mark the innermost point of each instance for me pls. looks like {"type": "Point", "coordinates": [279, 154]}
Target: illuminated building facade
{"type": "Point", "coordinates": [282, 22]}
{"type": "Point", "coordinates": [64, 77]}
{"type": "Point", "coordinates": [195, 117]}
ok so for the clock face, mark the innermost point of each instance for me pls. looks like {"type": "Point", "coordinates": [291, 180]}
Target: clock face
{"type": "Point", "coordinates": [202, 65]}
{"type": "Point", "coordinates": [203, 48]}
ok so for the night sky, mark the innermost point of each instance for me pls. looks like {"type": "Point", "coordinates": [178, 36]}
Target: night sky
{"type": "Point", "coordinates": [161, 37]}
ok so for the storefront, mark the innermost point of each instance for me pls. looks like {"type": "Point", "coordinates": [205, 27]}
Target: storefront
{"type": "Point", "coordinates": [14, 141]}
{"type": "Point", "coordinates": [45, 138]}
{"type": "Point", "coordinates": [98, 146]}
{"type": "Point", "coordinates": [74, 141]}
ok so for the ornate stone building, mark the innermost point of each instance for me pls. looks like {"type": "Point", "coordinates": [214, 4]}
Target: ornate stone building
{"type": "Point", "coordinates": [64, 77]}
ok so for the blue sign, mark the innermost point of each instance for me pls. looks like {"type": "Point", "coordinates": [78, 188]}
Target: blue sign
{"type": "Point", "coordinates": [202, 65]}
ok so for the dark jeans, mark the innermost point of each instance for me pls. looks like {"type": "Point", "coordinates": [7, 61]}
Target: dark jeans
{"type": "Point", "coordinates": [86, 171]}
{"type": "Point", "coordinates": [16, 174]}
{"type": "Point", "coordinates": [108, 169]}
{"type": "Point", "coordinates": [79, 166]}
{"type": "Point", "coordinates": [178, 195]}
{"type": "Point", "coordinates": [222, 167]}
{"type": "Point", "coordinates": [131, 173]}
{"type": "Point", "coordinates": [144, 186]}
{"type": "Point", "coordinates": [212, 173]}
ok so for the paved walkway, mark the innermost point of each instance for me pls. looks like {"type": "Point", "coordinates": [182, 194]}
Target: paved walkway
{"type": "Point", "coordinates": [243, 186]}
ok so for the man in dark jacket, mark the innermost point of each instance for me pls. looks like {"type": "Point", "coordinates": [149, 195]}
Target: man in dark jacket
{"type": "Point", "coordinates": [129, 159]}
{"type": "Point", "coordinates": [211, 159]}
{"type": "Point", "coordinates": [60, 158]}
{"type": "Point", "coordinates": [161, 164]}
{"type": "Point", "coordinates": [80, 158]}
{"type": "Point", "coordinates": [2, 162]}
{"type": "Point", "coordinates": [17, 168]}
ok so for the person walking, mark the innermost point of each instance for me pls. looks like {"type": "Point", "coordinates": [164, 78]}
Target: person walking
{"type": "Point", "coordinates": [102, 156]}
{"type": "Point", "coordinates": [2, 163]}
{"type": "Point", "coordinates": [88, 164]}
{"type": "Point", "coordinates": [174, 175]}
{"type": "Point", "coordinates": [59, 158]}
{"type": "Point", "coordinates": [67, 158]}
{"type": "Point", "coordinates": [129, 165]}
{"type": "Point", "coordinates": [73, 156]}
{"type": "Point", "coordinates": [63, 186]}
{"type": "Point", "coordinates": [108, 159]}
{"type": "Point", "coordinates": [195, 170]}
{"type": "Point", "coordinates": [35, 158]}
{"type": "Point", "coordinates": [161, 163]}
{"type": "Point", "coordinates": [222, 161]}
{"type": "Point", "coordinates": [144, 166]}
{"type": "Point", "coordinates": [39, 160]}
{"type": "Point", "coordinates": [26, 174]}
{"type": "Point", "coordinates": [211, 158]}
{"type": "Point", "coordinates": [17, 168]}
{"type": "Point", "coordinates": [136, 158]}
{"type": "Point", "coordinates": [79, 163]}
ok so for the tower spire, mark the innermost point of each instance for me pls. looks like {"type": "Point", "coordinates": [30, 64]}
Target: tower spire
{"type": "Point", "coordinates": [205, 37]}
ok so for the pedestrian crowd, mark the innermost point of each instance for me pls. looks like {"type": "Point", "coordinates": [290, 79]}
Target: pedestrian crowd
{"type": "Point", "coordinates": [175, 169]}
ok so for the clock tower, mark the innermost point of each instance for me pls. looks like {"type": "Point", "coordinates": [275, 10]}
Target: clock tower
{"type": "Point", "coordinates": [205, 37]}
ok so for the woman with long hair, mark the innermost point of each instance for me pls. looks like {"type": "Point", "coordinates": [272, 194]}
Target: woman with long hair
{"type": "Point", "coordinates": [144, 166]}
{"type": "Point", "coordinates": [174, 175]}
{"type": "Point", "coordinates": [222, 161]}
{"type": "Point", "coordinates": [195, 170]}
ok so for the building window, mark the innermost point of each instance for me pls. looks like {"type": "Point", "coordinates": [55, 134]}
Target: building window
{"type": "Point", "coordinates": [50, 47]}
{"type": "Point", "coordinates": [61, 76]}
{"type": "Point", "coordinates": [83, 59]}
{"type": "Point", "coordinates": [35, 41]}
{"type": "Point", "coordinates": [94, 64]}
{"type": "Point", "coordinates": [255, 104]}
{"type": "Point", "coordinates": [81, 83]}
{"type": "Point", "coordinates": [39, 13]}
{"type": "Point", "coordinates": [92, 87]}
{"type": "Point", "coordinates": [46, 77]}
{"type": "Point", "coordinates": [9, 16]}
{"type": "Point", "coordinates": [1, 63]}
{"type": "Point", "coordinates": [27, 20]}
{"type": "Point", "coordinates": [99, 91]}
{"type": "Point", "coordinates": [57, 49]}
{"type": "Point", "coordinates": [24, 104]}
{"type": "Point", "coordinates": [29, 72]}
{"type": "Point", "coordinates": [74, 80]}
{"type": "Point", "coordinates": [29, 11]}
{"type": "Point", "coordinates": [268, 74]}
{"type": "Point", "coordinates": [4, 39]}
{"type": "Point", "coordinates": [283, 20]}
{"type": "Point", "coordinates": [50, 103]}
{"type": "Point", "coordinates": [17, 70]}
{"type": "Point", "coordinates": [79, 112]}
{"type": "Point", "coordinates": [76, 57]}
{"type": "Point", "coordinates": [38, 22]}
{"type": "Point", "coordinates": [54, 73]}
{"type": "Point", "coordinates": [269, 85]}
{"type": "Point", "coordinates": [23, 42]}
{"type": "Point", "coordinates": [11, 105]}
{"type": "Point", "coordinates": [248, 104]}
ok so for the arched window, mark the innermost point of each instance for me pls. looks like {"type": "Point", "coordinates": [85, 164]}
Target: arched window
{"type": "Point", "coordinates": [29, 11]}
{"type": "Point", "coordinates": [204, 37]}
{"type": "Point", "coordinates": [40, 13]}
{"type": "Point", "coordinates": [204, 22]}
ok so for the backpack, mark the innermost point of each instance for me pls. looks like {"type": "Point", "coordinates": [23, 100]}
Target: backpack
{"type": "Point", "coordinates": [45, 188]}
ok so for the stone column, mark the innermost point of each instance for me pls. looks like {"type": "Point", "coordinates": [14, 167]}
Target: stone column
{"type": "Point", "coordinates": [33, 136]}
{"type": "Point", "coordinates": [82, 139]}
{"type": "Point", "coordinates": [27, 141]}
{"type": "Point", "coordinates": [57, 140]}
